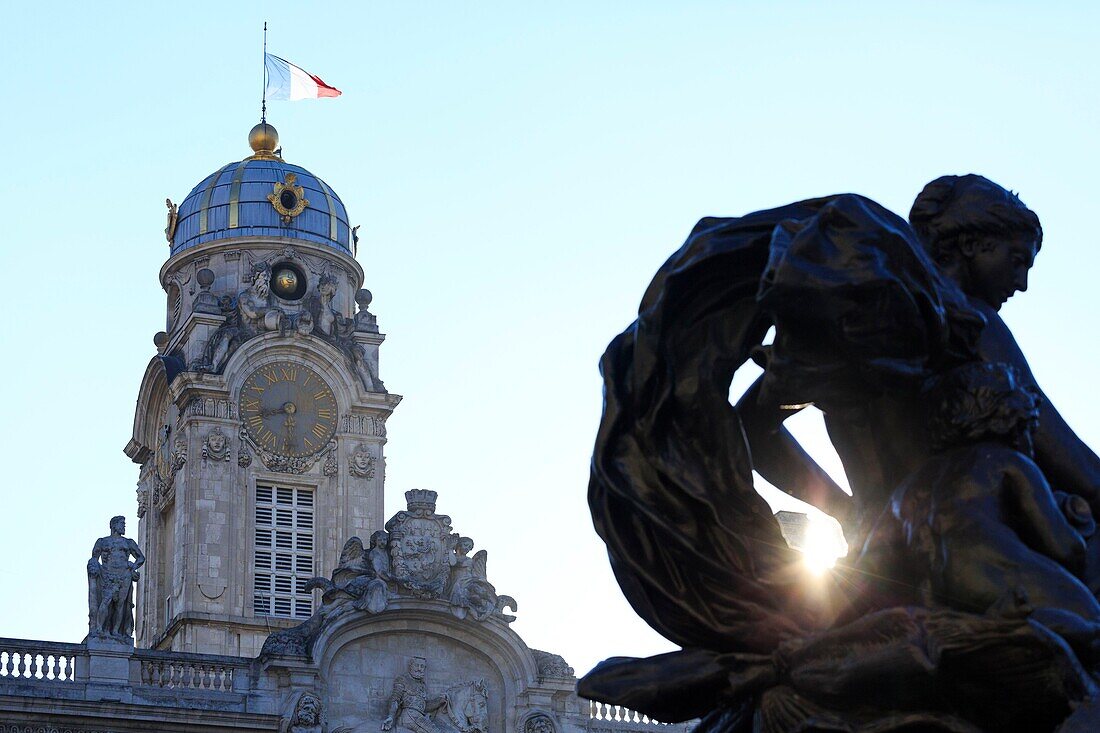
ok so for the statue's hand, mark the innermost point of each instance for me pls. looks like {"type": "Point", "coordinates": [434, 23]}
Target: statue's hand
{"type": "Point", "coordinates": [387, 723]}
{"type": "Point", "coordinates": [136, 575]}
{"type": "Point", "coordinates": [93, 567]}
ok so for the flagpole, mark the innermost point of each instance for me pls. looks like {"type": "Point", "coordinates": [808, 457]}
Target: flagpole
{"type": "Point", "coordinates": [263, 99]}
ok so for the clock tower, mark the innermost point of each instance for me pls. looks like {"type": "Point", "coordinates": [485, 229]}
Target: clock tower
{"type": "Point", "coordinates": [260, 422]}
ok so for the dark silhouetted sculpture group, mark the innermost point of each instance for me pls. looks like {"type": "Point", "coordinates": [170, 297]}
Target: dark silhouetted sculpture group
{"type": "Point", "coordinates": [968, 599]}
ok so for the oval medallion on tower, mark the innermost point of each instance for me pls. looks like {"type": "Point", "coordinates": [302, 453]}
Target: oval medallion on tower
{"type": "Point", "coordinates": [288, 409]}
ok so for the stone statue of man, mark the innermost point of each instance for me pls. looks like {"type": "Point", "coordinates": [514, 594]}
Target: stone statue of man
{"type": "Point", "coordinates": [111, 576]}
{"type": "Point", "coordinates": [410, 704]}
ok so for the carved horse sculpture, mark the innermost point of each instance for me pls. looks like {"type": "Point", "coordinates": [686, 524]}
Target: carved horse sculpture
{"type": "Point", "coordinates": [465, 710]}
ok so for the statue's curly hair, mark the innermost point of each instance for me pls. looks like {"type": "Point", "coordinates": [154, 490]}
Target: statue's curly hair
{"type": "Point", "coordinates": [951, 208]}
{"type": "Point", "coordinates": [980, 401]}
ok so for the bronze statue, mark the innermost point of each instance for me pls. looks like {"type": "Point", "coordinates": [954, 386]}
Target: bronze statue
{"type": "Point", "coordinates": [965, 609]}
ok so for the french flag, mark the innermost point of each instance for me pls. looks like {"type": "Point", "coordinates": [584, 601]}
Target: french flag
{"type": "Point", "coordinates": [287, 81]}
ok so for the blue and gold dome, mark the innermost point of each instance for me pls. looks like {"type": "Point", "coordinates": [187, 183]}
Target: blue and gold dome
{"type": "Point", "coordinates": [262, 196]}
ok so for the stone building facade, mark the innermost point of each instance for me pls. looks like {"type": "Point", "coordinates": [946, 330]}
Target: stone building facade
{"type": "Point", "coordinates": [276, 595]}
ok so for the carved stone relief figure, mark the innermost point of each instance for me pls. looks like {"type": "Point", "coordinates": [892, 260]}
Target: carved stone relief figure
{"type": "Point", "coordinates": [410, 704]}
{"type": "Point", "coordinates": [329, 321]}
{"type": "Point", "coordinates": [361, 463]}
{"type": "Point", "coordinates": [249, 314]}
{"type": "Point", "coordinates": [111, 575]}
{"type": "Point", "coordinates": [539, 723]}
{"type": "Point", "coordinates": [178, 457]}
{"type": "Point", "coordinates": [254, 304]}
{"type": "Point", "coordinates": [142, 501]}
{"type": "Point", "coordinates": [363, 576]}
{"type": "Point", "coordinates": [413, 709]}
{"type": "Point", "coordinates": [308, 716]}
{"type": "Point", "coordinates": [468, 588]}
{"type": "Point", "coordinates": [357, 353]}
{"type": "Point", "coordinates": [216, 446]}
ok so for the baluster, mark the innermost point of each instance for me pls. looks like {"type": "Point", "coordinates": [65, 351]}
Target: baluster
{"type": "Point", "coordinates": [20, 664]}
{"type": "Point", "coordinates": [207, 676]}
{"type": "Point", "coordinates": [5, 660]}
{"type": "Point", "coordinates": [188, 676]}
{"type": "Point", "coordinates": [69, 667]}
{"type": "Point", "coordinates": [171, 670]}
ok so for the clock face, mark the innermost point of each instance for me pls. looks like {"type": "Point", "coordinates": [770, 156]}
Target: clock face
{"type": "Point", "coordinates": [288, 409]}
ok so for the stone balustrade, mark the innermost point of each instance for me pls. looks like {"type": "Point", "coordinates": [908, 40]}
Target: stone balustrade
{"type": "Point", "coordinates": [179, 671]}
{"type": "Point", "coordinates": [38, 661]}
{"type": "Point", "coordinates": [51, 682]}
{"type": "Point", "coordinates": [606, 717]}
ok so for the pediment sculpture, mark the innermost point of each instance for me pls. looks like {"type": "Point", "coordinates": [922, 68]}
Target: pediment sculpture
{"type": "Point", "coordinates": [413, 707]}
{"type": "Point", "coordinates": [416, 556]}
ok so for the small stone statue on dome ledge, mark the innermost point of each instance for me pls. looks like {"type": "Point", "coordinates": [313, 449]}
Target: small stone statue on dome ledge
{"type": "Point", "coordinates": [111, 576]}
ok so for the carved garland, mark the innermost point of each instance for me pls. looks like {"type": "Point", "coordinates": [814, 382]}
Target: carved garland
{"type": "Point", "coordinates": [282, 464]}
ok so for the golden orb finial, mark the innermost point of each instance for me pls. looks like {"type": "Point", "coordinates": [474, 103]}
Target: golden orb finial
{"type": "Point", "coordinates": [264, 140]}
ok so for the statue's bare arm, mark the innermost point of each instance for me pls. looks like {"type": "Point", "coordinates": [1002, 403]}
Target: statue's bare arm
{"type": "Point", "coordinates": [139, 556]}
{"type": "Point", "coordinates": [93, 561]}
{"type": "Point", "coordinates": [1064, 458]}
{"type": "Point", "coordinates": [1041, 524]}
{"type": "Point", "coordinates": [778, 457]}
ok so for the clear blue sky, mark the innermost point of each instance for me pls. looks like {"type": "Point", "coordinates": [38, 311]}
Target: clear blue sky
{"type": "Point", "coordinates": [519, 171]}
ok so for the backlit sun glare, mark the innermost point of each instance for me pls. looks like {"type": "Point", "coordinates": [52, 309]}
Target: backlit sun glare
{"type": "Point", "coordinates": [823, 545]}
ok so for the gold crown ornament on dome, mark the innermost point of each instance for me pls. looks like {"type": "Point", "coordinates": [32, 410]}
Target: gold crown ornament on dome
{"type": "Point", "coordinates": [288, 199]}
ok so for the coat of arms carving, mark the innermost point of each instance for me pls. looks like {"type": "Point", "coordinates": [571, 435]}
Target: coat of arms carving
{"type": "Point", "coordinates": [420, 545]}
